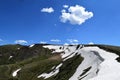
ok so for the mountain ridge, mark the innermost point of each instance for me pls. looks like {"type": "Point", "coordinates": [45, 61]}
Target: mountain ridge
{"type": "Point", "coordinates": [59, 62]}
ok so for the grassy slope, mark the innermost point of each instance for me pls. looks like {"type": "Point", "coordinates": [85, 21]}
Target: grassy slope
{"type": "Point", "coordinates": [25, 57]}
{"type": "Point", "coordinates": [34, 61]}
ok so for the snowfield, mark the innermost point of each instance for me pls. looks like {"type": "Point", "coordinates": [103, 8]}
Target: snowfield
{"type": "Point", "coordinates": [109, 68]}
{"type": "Point", "coordinates": [101, 65]}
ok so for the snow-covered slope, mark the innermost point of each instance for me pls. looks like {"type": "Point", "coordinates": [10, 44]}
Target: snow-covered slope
{"type": "Point", "coordinates": [98, 64]}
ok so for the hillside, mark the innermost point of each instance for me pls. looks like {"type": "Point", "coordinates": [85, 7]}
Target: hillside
{"type": "Point", "coordinates": [59, 62]}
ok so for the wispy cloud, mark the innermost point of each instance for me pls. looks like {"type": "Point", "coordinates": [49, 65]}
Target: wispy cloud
{"type": "Point", "coordinates": [73, 40]}
{"type": "Point", "coordinates": [55, 40]}
{"type": "Point", "coordinates": [48, 10]}
{"type": "Point", "coordinates": [21, 42]}
{"type": "Point", "coordinates": [43, 42]}
{"type": "Point", "coordinates": [75, 15]}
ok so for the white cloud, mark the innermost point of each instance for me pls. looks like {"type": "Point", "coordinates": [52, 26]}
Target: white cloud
{"type": "Point", "coordinates": [65, 6]}
{"type": "Point", "coordinates": [91, 43]}
{"type": "Point", "coordinates": [48, 10]}
{"type": "Point", "coordinates": [21, 42]}
{"type": "Point", "coordinates": [73, 40]}
{"type": "Point", "coordinates": [75, 15]}
{"type": "Point", "coordinates": [55, 40]}
{"type": "Point", "coordinates": [43, 42]}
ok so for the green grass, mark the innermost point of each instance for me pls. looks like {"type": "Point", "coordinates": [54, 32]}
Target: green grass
{"type": "Point", "coordinates": [29, 71]}
{"type": "Point", "coordinates": [68, 68]}
{"type": "Point", "coordinates": [31, 60]}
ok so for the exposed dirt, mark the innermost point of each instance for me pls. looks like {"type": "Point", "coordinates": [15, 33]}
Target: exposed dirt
{"type": "Point", "coordinates": [56, 57]}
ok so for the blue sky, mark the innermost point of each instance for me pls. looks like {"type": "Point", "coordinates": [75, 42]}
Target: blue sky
{"type": "Point", "coordinates": [23, 20]}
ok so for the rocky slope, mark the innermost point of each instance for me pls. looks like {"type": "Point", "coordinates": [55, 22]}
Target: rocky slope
{"type": "Point", "coordinates": [59, 62]}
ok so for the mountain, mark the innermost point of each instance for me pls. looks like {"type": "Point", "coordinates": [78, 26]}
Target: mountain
{"type": "Point", "coordinates": [59, 62]}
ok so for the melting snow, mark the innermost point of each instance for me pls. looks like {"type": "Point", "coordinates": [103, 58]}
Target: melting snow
{"type": "Point", "coordinates": [54, 72]}
{"type": "Point", "coordinates": [15, 72]}
{"type": "Point", "coordinates": [56, 48]}
{"type": "Point", "coordinates": [52, 67]}
{"type": "Point", "coordinates": [18, 48]}
{"type": "Point", "coordinates": [66, 51]}
{"type": "Point", "coordinates": [10, 57]}
{"type": "Point", "coordinates": [31, 45]}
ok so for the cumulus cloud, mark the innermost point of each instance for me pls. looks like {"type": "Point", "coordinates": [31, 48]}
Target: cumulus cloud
{"type": "Point", "coordinates": [65, 6]}
{"type": "Point", "coordinates": [73, 40]}
{"type": "Point", "coordinates": [75, 15]}
{"type": "Point", "coordinates": [55, 40]}
{"type": "Point", "coordinates": [43, 42]}
{"type": "Point", "coordinates": [21, 42]}
{"type": "Point", "coordinates": [48, 10]}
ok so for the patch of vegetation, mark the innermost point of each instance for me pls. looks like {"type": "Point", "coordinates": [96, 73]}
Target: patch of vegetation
{"type": "Point", "coordinates": [29, 71]}
{"type": "Point", "coordinates": [6, 51]}
{"type": "Point", "coordinates": [33, 61]}
{"type": "Point", "coordinates": [20, 53]}
{"type": "Point", "coordinates": [68, 68]}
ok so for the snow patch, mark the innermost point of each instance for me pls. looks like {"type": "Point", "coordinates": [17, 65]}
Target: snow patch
{"type": "Point", "coordinates": [10, 57]}
{"type": "Point", "coordinates": [31, 45]}
{"type": "Point", "coordinates": [15, 72]}
{"type": "Point", "coordinates": [66, 50]}
{"type": "Point", "coordinates": [54, 72]}
{"type": "Point", "coordinates": [18, 48]}
{"type": "Point", "coordinates": [56, 48]}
